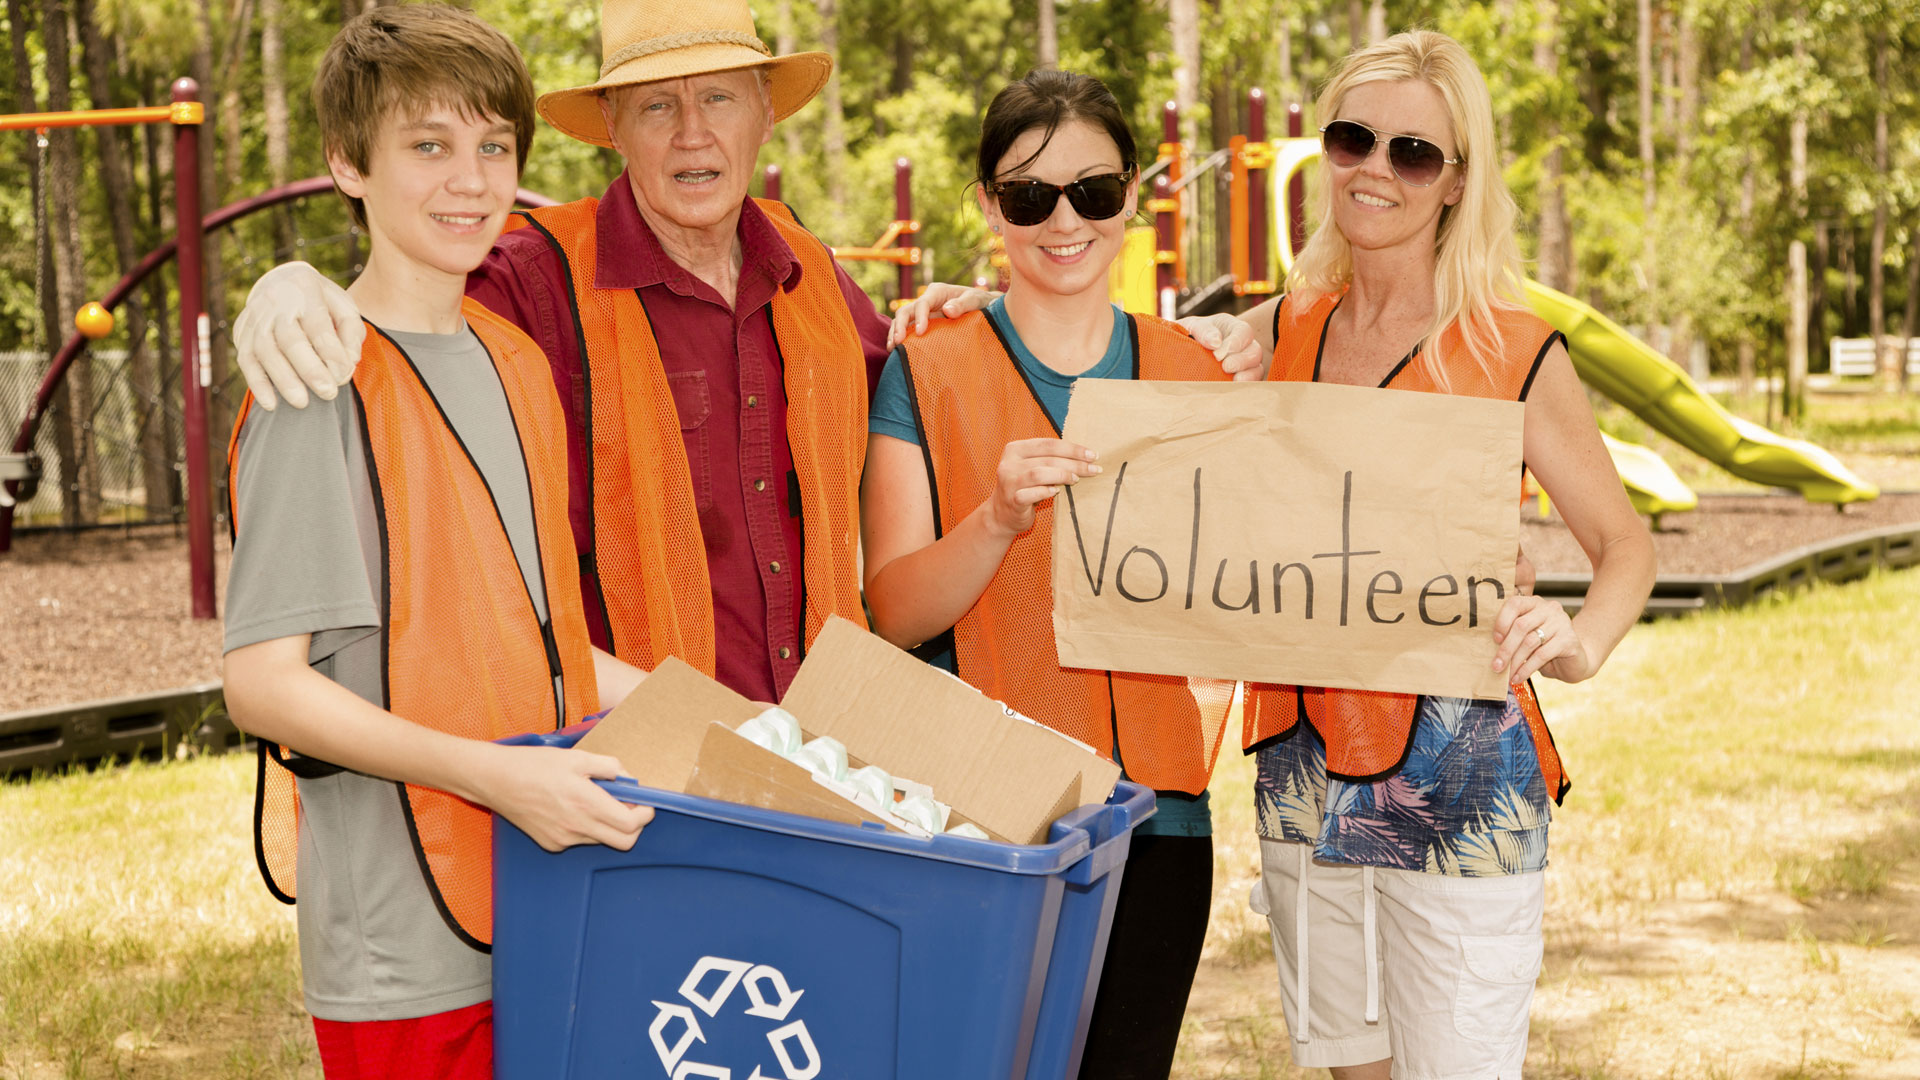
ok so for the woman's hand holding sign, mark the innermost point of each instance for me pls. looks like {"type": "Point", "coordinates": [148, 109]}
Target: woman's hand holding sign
{"type": "Point", "coordinates": [1032, 471]}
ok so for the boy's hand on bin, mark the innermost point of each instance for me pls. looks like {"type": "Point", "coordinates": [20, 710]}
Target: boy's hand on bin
{"type": "Point", "coordinates": [549, 793]}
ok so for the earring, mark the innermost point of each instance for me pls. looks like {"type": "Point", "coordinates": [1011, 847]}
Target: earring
{"type": "Point", "coordinates": [996, 228]}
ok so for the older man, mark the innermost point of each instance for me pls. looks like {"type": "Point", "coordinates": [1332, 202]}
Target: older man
{"type": "Point", "coordinates": [713, 361]}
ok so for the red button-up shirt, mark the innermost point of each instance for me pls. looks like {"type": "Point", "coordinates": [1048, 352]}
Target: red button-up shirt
{"type": "Point", "coordinates": [728, 386]}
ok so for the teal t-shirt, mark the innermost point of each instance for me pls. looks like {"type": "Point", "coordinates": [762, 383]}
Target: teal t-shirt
{"type": "Point", "coordinates": [891, 413]}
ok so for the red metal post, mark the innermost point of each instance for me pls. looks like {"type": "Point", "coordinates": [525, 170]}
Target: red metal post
{"type": "Point", "coordinates": [903, 211]}
{"type": "Point", "coordinates": [195, 365]}
{"type": "Point", "coordinates": [1176, 153]}
{"type": "Point", "coordinates": [1296, 190]}
{"type": "Point", "coordinates": [1164, 289]}
{"type": "Point", "coordinates": [771, 187]}
{"type": "Point", "coordinates": [1257, 190]}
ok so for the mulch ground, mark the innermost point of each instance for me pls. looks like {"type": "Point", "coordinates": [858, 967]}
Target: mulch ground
{"type": "Point", "coordinates": [1727, 533]}
{"type": "Point", "coordinates": [100, 614]}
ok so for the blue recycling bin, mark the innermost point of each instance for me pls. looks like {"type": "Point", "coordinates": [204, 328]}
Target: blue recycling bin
{"type": "Point", "coordinates": [734, 943]}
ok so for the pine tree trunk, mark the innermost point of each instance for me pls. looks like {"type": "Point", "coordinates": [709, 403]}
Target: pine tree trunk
{"type": "Point", "coordinates": [1377, 22]}
{"type": "Point", "coordinates": [1048, 51]}
{"type": "Point", "coordinates": [1911, 326]}
{"type": "Point", "coordinates": [1555, 255]}
{"type": "Point", "coordinates": [1820, 258]}
{"type": "Point", "coordinates": [221, 409]}
{"type": "Point", "coordinates": [786, 42]}
{"type": "Point", "coordinates": [1356, 23]}
{"type": "Point", "coordinates": [1793, 384]}
{"type": "Point", "coordinates": [1686, 59]}
{"type": "Point", "coordinates": [1887, 364]}
{"type": "Point", "coordinates": [19, 23]}
{"type": "Point", "coordinates": [1649, 251]}
{"type": "Point", "coordinates": [1185, 30]}
{"type": "Point", "coordinates": [273, 92]}
{"type": "Point", "coordinates": [1850, 285]}
{"type": "Point", "coordinates": [1689, 78]}
{"type": "Point", "coordinates": [833, 131]}
{"type": "Point", "coordinates": [82, 501]}
{"type": "Point", "coordinates": [116, 174]}
{"type": "Point", "coordinates": [166, 372]}
{"type": "Point", "coordinates": [1747, 348]}
{"type": "Point", "coordinates": [212, 246]}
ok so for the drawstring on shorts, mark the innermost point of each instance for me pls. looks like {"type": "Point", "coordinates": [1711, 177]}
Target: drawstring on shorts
{"type": "Point", "coordinates": [1300, 945]}
{"type": "Point", "coordinates": [1368, 932]}
{"type": "Point", "coordinates": [1372, 945]}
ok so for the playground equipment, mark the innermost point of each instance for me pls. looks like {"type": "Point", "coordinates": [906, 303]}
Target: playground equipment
{"type": "Point", "coordinates": [21, 468]}
{"type": "Point", "coordinates": [894, 244]}
{"type": "Point", "coordinates": [19, 465]}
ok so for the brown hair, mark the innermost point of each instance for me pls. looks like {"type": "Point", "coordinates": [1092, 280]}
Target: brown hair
{"type": "Point", "coordinates": [1046, 99]}
{"type": "Point", "coordinates": [407, 58]}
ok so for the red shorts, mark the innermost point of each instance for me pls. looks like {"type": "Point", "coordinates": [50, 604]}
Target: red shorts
{"type": "Point", "coordinates": [455, 1045]}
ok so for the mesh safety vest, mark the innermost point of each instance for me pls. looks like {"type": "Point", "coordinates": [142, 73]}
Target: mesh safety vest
{"type": "Point", "coordinates": [647, 549]}
{"type": "Point", "coordinates": [1367, 733]}
{"type": "Point", "coordinates": [466, 652]}
{"type": "Point", "coordinates": [971, 400]}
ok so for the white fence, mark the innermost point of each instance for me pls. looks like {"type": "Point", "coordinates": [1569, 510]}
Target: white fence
{"type": "Point", "coordinates": [1854, 356]}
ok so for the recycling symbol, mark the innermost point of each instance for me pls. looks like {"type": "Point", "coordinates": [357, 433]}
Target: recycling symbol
{"type": "Point", "coordinates": [768, 997]}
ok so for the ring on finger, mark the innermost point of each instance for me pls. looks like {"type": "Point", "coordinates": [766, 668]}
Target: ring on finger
{"type": "Point", "coordinates": [1540, 634]}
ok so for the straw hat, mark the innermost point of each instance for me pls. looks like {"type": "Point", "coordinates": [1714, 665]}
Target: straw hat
{"type": "Point", "coordinates": [648, 40]}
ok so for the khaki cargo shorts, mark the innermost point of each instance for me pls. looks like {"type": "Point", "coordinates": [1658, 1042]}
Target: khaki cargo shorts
{"type": "Point", "coordinates": [1435, 972]}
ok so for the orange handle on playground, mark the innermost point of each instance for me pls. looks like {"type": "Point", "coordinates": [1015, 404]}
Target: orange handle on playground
{"type": "Point", "coordinates": [180, 112]}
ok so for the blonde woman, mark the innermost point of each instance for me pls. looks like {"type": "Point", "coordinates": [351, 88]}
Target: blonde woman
{"type": "Point", "coordinates": [1403, 838]}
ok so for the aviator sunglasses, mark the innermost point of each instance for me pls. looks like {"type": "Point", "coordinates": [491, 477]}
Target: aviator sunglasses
{"type": "Point", "coordinates": [1416, 162]}
{"type": "Point", "coordinates": [1030, 202]}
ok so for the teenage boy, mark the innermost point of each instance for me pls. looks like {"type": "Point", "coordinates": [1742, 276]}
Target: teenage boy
{"type": "Point", "coordinates": [436, 605]}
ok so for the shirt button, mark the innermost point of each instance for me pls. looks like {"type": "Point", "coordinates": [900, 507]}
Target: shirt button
{"type": "Point", "coordinates": [786, 653]}
{"type": "Point", "coordinates": [759, 485]}
{"type": "Point", "coordinates": [753, 401]}
{"type": "Point", "coordinates": [774, 566]}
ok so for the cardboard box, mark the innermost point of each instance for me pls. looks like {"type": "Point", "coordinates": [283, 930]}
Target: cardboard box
{"type": "Point", "coordinates": [1000, 771]}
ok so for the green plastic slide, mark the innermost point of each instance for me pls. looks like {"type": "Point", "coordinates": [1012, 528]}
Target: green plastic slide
{"type": "Point", "coordinates": [1656, 390]}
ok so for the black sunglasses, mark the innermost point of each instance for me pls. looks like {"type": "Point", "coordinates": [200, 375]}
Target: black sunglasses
{"type": "Point", "coordinates": [1415, 161]}
{"type": "Point", "coordinates": [1030, 202]}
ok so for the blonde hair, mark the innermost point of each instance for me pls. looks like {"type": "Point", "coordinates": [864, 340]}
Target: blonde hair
{"type": "Point", "coordinates": [1477, 267]}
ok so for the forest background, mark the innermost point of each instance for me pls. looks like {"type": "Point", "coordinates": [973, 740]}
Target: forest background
{"type": "Point", "coordinates": [1739, 179]}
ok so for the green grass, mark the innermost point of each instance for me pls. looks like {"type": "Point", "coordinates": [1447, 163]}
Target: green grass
{"type": "Point", "coordinates": [1736, 749]}
{"type": "Point", "coordinates": [135, 937]}
{"type": "Point", "coordinates": [1734, 892]}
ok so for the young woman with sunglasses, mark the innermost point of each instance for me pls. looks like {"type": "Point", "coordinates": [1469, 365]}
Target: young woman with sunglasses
{"type": "Point", "coordinates": [1403, 839]}
{"type": "Point", "coordinates": [962, 466]}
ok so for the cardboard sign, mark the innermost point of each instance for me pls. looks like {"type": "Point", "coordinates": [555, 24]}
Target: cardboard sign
{"type": "Point", "coordinates": [1317, 535]}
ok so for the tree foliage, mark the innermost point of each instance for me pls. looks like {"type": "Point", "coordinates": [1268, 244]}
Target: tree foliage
{"type": "Point", "coordinates": [915, 76]}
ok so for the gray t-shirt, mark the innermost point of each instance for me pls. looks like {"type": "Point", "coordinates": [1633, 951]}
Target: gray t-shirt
{"type": "Point", "coordinates": [307, 560]}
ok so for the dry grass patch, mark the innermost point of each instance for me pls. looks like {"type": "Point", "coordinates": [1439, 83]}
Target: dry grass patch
{"type": "Point", "coordinates": [1735, 892]}
{"type": "Point", "coordinates": [135, 937]}
{"type": "Point", "coordinates": [1735, 883]}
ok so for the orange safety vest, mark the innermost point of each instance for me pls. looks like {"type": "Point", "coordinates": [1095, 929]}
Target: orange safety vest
{"type": "Point", "coordinates": [465, 651]}
{"type": "Point", "coordinates": [1367, 733]}
{"type": "Point", "coordinates": [645, 529]}
{"type": "Point", "coordinates": [971, 400]}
